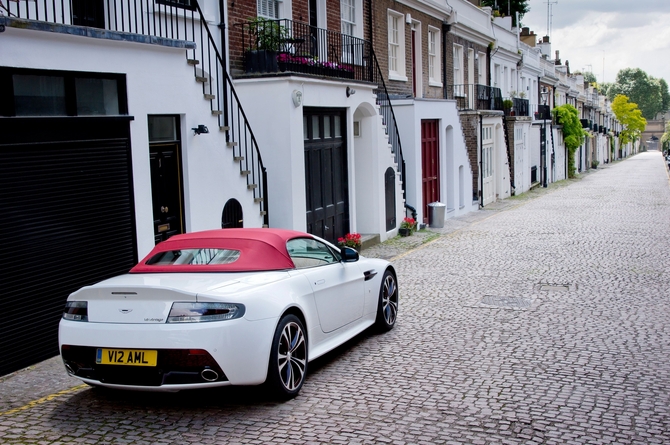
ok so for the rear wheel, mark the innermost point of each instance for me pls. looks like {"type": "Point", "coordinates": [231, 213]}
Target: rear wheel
{"type": "Point", "coordinates": [387, 309]}
{"type": "Point", "coordinates": [288, 358]}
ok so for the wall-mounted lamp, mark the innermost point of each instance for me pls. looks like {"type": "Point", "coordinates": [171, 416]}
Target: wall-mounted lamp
{"type": "Point", "coordinates": [350, 91]}
{"type": "Point", "coordinates": [200, 129]}
{"type": "Point", "coordinates": [476, 57]}
{"type": "Point", "coordinates": [408, 19]}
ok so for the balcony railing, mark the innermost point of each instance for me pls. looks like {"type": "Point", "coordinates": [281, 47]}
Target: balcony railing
{"type": "Point", "coordinates": [475, 97]}
{"type": "Point", "coordinates": [169, 22]}
{"type": "Point", "coordinates": [519, 107]}
{"type": "Point", "coordinates": [541, 112]}
{"type": "Point", "coordinates": [273, 46]}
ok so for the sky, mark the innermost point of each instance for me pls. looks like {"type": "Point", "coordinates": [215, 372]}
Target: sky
{"type": "Point", "coordinates": [605, 36]}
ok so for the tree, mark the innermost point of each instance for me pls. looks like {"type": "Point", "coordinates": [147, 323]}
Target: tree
{"type": "Point", "coordinates": [511, 7]}
{"type": "Point", "coordinates": [630, 117]}
{"type": "Point", "coordinates": [590, 77]}
{"type": "Point", "coordinates": [650, 94]}
{"type": "Point", "coordinates": [665, 139]}
{"type": "Point", "coordinates": [573, 133]}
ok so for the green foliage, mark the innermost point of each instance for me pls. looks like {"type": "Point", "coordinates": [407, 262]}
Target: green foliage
{"type": "Point", "coordinates": [630, 117]}
{"type": "Point", "coordinates": [573, 133]}
{"type": "Point", "coordinates": [268, 34]}
{"type": "Point", "coordinates": [507, 104]}
{"type": "Point", "coordinates": [511, 6]}
{"type": "Point", "coordinates": [650, 94]}
{"type": "Point", "coordinates": [665, 139]}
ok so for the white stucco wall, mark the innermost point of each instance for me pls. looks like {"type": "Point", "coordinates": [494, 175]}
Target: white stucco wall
{"type": "Point", "coordinates": [279, 126]}
{"type": "Point", "coordinates": [454, 192]}
{"type": "Point", "coordinates": [159, 81]}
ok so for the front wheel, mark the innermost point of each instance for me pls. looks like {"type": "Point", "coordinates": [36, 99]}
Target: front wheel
{"type": "Point", "coordinates": [288, 358]}
{"type": "Point", "coordinates": [387, 309]}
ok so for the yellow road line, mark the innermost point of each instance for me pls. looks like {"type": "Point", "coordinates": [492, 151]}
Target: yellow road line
{"type": "Point", "coordinates": [43, 400]}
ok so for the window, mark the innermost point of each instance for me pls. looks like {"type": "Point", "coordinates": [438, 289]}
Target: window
{"type": "Point", "coordinates": [194, 257]}
{"type": "Point", "coordinates": [351, 46]}
{"type": "Point", "coordinates": [396, 40]}
{"type": "Point", "coordinates": [348, 16]}
{"type": "Point", "coordinates": [268, 8]}
{"type": "Point", "coordinates": [459, 89]}
{"type": "Point", "coordinates": [61, 93]}
{"type": "Point", "coordinates": [434, 61]}
{"type": "Point", "coordinates": [482, 69]}
{"type": "Point", "coordinates": [307, 252]}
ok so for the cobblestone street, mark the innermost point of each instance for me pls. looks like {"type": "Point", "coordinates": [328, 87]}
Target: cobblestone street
{"type": "Point", "coordinates": [543, 319]}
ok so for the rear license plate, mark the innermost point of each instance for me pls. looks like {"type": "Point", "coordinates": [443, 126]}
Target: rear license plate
{"type": "Point", "coordinates": [127, 357]}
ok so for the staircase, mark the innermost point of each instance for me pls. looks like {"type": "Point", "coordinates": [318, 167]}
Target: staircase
{"type": "Point", "coordinates": [217, 88]}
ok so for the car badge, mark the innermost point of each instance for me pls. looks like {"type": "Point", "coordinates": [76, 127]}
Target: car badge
{"type": "Point", "coordinates": [125, 311]}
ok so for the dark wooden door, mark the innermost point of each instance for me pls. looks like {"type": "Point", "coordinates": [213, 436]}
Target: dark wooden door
{"type": "Point", "coordinates": [326, 182]}
{"type": "Point", "coordinates": [166, 190]}
{"type": "Point", "coordinates": [430, 164]}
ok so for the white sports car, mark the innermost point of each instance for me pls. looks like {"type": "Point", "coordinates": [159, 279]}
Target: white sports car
{"type": "Point", "coordinates": [225, 307]}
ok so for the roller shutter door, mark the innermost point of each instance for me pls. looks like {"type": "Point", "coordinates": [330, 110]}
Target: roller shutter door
{"type": "Point", "coordinates": [67, 221]}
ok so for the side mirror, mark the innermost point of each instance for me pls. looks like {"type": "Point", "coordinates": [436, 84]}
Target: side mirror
{"type": "Point", "coordinates": [349, 255]}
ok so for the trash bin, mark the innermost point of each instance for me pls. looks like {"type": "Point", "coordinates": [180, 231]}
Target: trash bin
{"type": "Point", "coordinates": [436, 214]}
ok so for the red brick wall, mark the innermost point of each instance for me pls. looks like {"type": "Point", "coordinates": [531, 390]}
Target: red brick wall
{"type": "Point", "coordinates": [239, 11]}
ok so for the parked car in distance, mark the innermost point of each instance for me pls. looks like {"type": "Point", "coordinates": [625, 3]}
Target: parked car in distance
{"type": "Point", "coordinates": [225, 307]}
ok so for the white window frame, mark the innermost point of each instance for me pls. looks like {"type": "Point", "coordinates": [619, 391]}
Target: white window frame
{"type": "Point", "coordinates": [352, 49]}
{"type": "Point", "coordinates": [482, 69]}
{"type": "Point", "coordinates": [396, 46]}
{"type": "Point", "coordinates": [263, 6]}
{"type": "Point", "coordinates": [459, 71]}
{"type": "Point", "coordinates": [434, 57]}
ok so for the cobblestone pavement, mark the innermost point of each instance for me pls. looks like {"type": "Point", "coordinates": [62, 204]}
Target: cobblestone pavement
{"type": "Point", "coordinates": [541, 320]}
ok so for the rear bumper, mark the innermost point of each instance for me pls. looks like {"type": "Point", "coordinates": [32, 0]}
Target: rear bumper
{"type": "Point", "coordinates": [234, 352]}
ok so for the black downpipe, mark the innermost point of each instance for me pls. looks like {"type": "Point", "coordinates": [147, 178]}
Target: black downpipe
{"type": "Point", "coordinates": [446, 27]}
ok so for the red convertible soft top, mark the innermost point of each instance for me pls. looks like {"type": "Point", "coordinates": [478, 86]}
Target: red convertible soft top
{"type": "Point", "coordinates": [260, 250]}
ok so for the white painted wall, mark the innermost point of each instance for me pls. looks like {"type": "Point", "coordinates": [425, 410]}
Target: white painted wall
{"type": "Point", "coordinates": [158, 82]}
{"type": "Point", "coordinates": [453, 154]}
{"type": "Point", "coordinates": [279, 126]}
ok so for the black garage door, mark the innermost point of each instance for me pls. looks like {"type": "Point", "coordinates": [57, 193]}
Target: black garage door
{"type": "Point", "coordinates": [67, 221]}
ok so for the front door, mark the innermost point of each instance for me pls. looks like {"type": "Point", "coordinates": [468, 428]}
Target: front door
{"type": "Point", "coordinates": [430, 164]}
{"type": "Point", "coordinates": [326, 182]}
{"type": "Point", "coordinates": [166, 177]}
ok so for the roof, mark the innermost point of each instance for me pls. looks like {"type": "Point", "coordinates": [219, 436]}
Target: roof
{"type": "Point", "coordinates": [260, 250]}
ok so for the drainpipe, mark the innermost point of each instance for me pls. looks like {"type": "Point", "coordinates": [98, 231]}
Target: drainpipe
{"type": "Point", "coordinates": [370, 23]}
{"type": "Point", "coordinates": [446, 27]}
{"type": "Point", "coordinates": [222, 28]}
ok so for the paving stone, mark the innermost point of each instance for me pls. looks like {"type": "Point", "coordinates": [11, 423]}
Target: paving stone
{"type": "Point", "coordinates": [585, 362]}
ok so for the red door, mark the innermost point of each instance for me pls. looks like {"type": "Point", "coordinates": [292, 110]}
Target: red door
{"type": "Point", "coordinates": [430, 164]}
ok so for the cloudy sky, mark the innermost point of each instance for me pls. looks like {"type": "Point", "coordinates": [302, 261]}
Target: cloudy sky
{"type": "Point", "coordinates": [604, 36]}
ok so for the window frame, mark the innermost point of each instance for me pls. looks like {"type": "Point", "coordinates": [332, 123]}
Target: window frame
{"type": "Point", "coordinates": [396, 40]}
{"type": "Point", "coordinates": [434, 57]}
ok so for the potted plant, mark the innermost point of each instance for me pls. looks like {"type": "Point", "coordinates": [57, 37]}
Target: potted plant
{"type": "Point", "coordinates": [266, 37]}
{"type": "Point", "coordinates": [508, 107]}
{"type": "Point", "coordinates": [352, 240]}
{"type": "Point", "coordinates": [407, 226]}
{"type": "Point", "coordinates": [594, 164]}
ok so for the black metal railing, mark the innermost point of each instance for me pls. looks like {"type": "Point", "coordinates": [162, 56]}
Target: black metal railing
{"type": "Point", "coordinates": [271, 46]}
{"type": "Point", "coordinates": [541, 112]}
{"type": "Point", "coordinates": [521, 106]}
{"type": "Point", "coordinates": [169, 20]}
{"type": "Point", "coordinates": [475, 97]}
{"type": "Point", "coordinates": [389, 120]}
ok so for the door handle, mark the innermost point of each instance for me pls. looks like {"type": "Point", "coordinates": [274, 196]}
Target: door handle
{"type": "Point", "coordinates": [319, 282]}
{"type": "Point", "coordinates": [164, 209]}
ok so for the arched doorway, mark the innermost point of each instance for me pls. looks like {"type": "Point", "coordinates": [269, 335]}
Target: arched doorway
{"type": "Point", "coordinates": [231, 218]}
